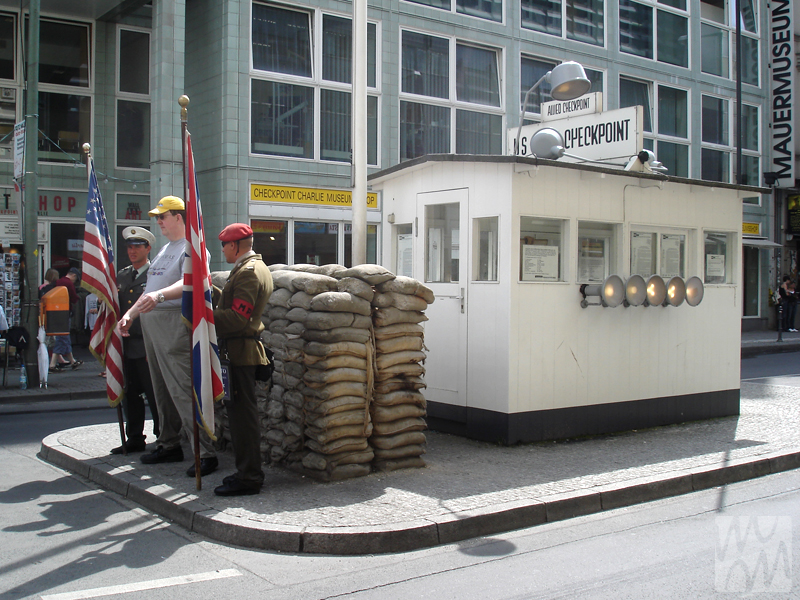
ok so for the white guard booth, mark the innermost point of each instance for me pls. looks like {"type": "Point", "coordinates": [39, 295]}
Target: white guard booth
{"type": "Point", "coordinates": [508, 244]}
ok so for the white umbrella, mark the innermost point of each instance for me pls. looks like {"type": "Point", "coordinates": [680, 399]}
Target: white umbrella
{"type": "Point", "coordinates": [44, 358]}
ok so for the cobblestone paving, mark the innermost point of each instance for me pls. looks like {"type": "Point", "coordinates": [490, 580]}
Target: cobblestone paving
{"type": "Point", "coordinates": [464, 475]}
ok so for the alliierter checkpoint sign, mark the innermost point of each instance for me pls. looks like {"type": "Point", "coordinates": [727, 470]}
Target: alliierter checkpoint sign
{"type": "Point", "coordinates": [612, 136]}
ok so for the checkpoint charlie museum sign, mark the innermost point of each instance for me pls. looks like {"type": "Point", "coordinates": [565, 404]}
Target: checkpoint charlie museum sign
{"type": "Point", "coordinates": [600, 136]}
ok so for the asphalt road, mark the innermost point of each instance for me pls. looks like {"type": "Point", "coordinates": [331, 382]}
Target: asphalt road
{"type": "Point", "coordinates": [62, 537]}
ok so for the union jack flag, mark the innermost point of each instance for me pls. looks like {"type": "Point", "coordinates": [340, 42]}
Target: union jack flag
{"type": "Point", "coordinates": [100, 277]}
{"type": "Point", "coordinates": [196, 306]}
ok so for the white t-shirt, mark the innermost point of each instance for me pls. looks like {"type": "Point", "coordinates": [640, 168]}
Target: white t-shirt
{"type": "Point", "coordinates": [167, 268]}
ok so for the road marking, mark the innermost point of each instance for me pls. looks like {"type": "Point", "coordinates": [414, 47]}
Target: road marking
{"type": "Point", "coordinates": [770, 377]}
{"type": "Point", "coordinates": [143, 585]}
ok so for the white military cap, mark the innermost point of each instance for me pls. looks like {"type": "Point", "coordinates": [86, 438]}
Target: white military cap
{"type": "Point", "coordinates": [138, 234]}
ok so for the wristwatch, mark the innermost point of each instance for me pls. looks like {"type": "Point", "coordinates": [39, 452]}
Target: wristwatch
{"type": "Point", "coordinates": [160, 297]}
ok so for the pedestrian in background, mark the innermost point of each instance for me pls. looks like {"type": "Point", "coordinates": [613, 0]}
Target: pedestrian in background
{"type": "Point", "coordinates": [789, 302]}
{"type": "Point", "coordinates": [63, 343]}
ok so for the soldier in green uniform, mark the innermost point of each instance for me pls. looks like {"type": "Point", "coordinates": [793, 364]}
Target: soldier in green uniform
{"type": "Point", "coordinates": [131, 282]}
{"type": "Point", "coordinates": [238, 323]}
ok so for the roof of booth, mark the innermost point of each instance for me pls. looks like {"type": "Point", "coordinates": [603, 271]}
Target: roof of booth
{"type": "Point", "coordinates": [428, 159]}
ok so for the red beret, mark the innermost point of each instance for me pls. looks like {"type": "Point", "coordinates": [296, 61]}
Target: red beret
{"type": "Point", "coordinates": [235, 232]}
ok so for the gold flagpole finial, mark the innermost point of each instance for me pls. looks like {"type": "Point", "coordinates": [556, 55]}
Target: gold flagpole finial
{"type": "Point", "coordinates": [184, 102]}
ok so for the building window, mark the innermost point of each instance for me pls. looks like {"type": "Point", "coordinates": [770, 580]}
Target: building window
{"type": "Point", "coordinates": [541, 249]}
{"type": "Point", "coordinates": [450, 97]}
{"type": "Point", "coordinates": [670, 112]}
{"type": "Point", "coordinates": [64, 53]}
{"type": "Point", "coordinates": [751, 156]}
{"type": "Point", "coordinates": [372, 244]}
{"type": "Point", "coordinates": [715, 153]}
{"type": "Point", "coordinates": [133, 101]}
{"type": "Point", "coordinates": [483, 9]}
{"type": "Point", "coordinates": [485, 249]}
{"type": "Point", "coordinates": [270, 240]}
{"type": "Point", "coordinates": [671, 40]}
{"type": "Point", "coordinates": [65, 121]}
{"type": "Point", "coordinates": [8, 45]}
{"type": "Point", "coordinates": [584, 19]}
{"type": "Point", "coordinates": [717, 267]}
{"type": "Point", "coordinates": [301, 100]}
{"type": "Point", "coordinates": [134, 62]}
{"type": "Point", "coordinates": [531, 71]}
{"type": "Point", "coordinates": [715, 50]}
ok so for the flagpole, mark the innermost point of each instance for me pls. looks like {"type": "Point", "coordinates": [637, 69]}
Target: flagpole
{"type": "Point", "coordinates": [183, 101]}
{"type": "Point", "coordinates": [87, 148]}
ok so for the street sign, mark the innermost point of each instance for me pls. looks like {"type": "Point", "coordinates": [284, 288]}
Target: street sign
{"type": "Point", "coordinates": [560, 109]}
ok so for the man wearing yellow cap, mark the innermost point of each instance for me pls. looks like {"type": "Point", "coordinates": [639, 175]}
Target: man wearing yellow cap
{"type": "Point", "coordinates": [167, 342]}
{"type": "Point", "coordinates": [238, 323]}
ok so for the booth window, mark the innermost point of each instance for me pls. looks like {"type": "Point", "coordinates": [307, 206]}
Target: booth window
{"type": "Point", "coordinates": [442, 222]}
{"type": "Point", "coordinates": [597, 251]}
{"type": "Point", "coordinates": [541, 244]}
{"type": "Point", "coordinates": [404, 250]}
{"type": "Point", "coordinates": [658, 253]}
{"type": "Point", "coordinates": [484, 249]}
{"type": "Point", "coordinates": [717, 257]}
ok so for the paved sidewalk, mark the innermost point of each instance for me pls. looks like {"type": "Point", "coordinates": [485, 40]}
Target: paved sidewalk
{"type": "Point", "coordinates": [468, 489]}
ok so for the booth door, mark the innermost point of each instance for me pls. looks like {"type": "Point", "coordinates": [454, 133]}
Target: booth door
{"type": "Point", "coordinates": [442, 265]}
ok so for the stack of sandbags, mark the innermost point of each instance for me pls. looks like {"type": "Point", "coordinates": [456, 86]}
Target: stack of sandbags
{"type": "Point", "coordinates": [283, 434]}
{"type": "Point", "coordinates": [337, 379]}
{"type": "Point", "coordinates": [398, 407]}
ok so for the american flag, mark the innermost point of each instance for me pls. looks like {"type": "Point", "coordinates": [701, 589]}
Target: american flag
{"type": "Point", "coordinates": [196, 306]}
{"type": "Point", "coordinates": [100, 278]}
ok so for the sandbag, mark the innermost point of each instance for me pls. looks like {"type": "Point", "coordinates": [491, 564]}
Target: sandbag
{"type": "Point", "coordinates": [401, 371]}
{"type": "Point", "coordinates": [337, 334]}
{"type": "Point", "coordinates": [280, 297]}
{"type": "Point", "coordinates": [320, 349]}
{"type": "Point", "coordinates": [355, 444]}
{"type": "Point", "coordinates": [401, 301]}
{"type": "Point", "coordinates": [293, 398]}
{"type": "Point", "coordinates": [357, 287]}
{"type": "Point", "coordinates": [325, 436]}
{"type": "Point", "coordinates": [322, 320]}
{"type": "Point", "coordinates": [384, 361]}
{"type": "Point", "coordinates": [334, 390]}
{"type": "Point", "coordinates": [399, 383]}
{"type": "Point", "coordinates": [335, 362]}
{"type": "Point", "coordinates": [294, 369]}
{"type": "Point", "coordinates": [321, 462]}
{"type": "Point", "coordinates": [276, 267]}
{"type": "Point", "coordinates": [283, 280]}
{"type": "Point", "coordinates": [275, 437]}
{"type": "Point", "coordinates": [296, 329]}
{"type": "Point", "coordinates": [313, 284]}
{"type": "Point", "coordinates": [297, 314]}
{"type": "Point", "coordinates": [338, 419]}
{"type": "Point", "coordinates": [391, 315]}
{"type": "Point", "coordinates": [399, 344]}
{"type": "Point", "coordinates": [300, 300]}
{"type": "Point", "coordinates": [295, 414]}
{"type": "Point", "coordinates": [292, 428]}
{"type": "Point", "coordinates": [398, 330]}
{"type": "Point", "coordinates": [372, 274]}
{"type": "Point", "coordinates": [400, 396]}
{"type": "Point", "coordinates": [320, 408]}
{"type": "Point", "coordinates": [407, 285]}
{"type": "Point", "coordinates": [399, 426]}
{"type": "Point", "coordinates": [399, 452]}
{"type": "Point", "coordinates": [317, 377]}
{"type": "Point", "coordinates": [275, 409]}
{"type": "Point", "coordinates": [341, 302]}
{"type": "Point", "coordinates": [278, 326]}
{"type": "Point", "coordinates": [276, 312]}
{"type": "Point", "coordinates": [387, 414]}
